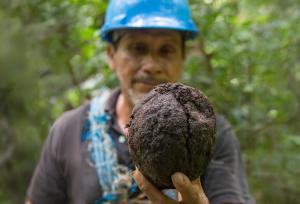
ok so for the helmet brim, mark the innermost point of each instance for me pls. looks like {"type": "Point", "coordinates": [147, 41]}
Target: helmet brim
{"type": "Point", "coordinates": [151, 22]}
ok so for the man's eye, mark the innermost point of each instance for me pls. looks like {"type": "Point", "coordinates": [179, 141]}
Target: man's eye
{"type": "Point", "coordinates": [166, 50]}
{"type": "Point", "coordinates": [139, 48]}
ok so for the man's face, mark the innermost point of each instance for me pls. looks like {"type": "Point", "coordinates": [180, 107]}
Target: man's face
{"type": "Point", "coordinates": [145, 58]}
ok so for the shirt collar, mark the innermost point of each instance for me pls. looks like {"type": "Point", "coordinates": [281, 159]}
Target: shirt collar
{"type": "Point", "coordinates": [110, 105]}
{"type": "Point", "coordinates": [110, 109]}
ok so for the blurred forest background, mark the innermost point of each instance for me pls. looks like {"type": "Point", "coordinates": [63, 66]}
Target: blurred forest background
{"type": "Point", "coordinates": [247, 60]}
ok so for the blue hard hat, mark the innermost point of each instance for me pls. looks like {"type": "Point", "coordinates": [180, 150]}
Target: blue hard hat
{"type": "Point", "coordinates": [148, 14]}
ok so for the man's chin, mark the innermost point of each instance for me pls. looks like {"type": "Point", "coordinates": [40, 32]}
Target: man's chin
{"type": "Point", "coordinates": [135, 97]}
{"type": "Point", "coordinates": [144, 88]}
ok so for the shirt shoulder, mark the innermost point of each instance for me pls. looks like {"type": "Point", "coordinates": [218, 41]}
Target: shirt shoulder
{"type": "Point", "coordinates": [58, 156]}
{"type": "Point", "coordinates": [69, 125]}
{"type": "Point", "coordinates": [71, 118]}
{"type": "Point", "coordinates": [227, 164]}
{"type": "Point", "coordinates": [226, 141]}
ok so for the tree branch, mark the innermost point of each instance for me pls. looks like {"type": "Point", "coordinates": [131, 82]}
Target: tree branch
{"type": "Point", "coordinates": [8, 135]}
{"type": "Point", "coordinates": [207, 56]}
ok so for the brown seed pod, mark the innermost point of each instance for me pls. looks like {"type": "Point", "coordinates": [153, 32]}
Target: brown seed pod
{"type": "Point", "coordinates": [172, 129]}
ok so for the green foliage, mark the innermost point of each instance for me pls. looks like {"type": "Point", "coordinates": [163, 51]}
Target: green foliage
{"type": "Point", "coordinates": [48, 48]}
{"type": "Point", "coordinates": [246, 60]}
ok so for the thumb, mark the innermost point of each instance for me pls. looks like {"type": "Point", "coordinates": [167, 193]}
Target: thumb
{"type": "Point", "coordinates": [181, 181]}
{"type": "Point", "coordinates": [191, 192]}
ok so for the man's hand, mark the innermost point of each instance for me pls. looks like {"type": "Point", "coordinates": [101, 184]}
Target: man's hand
{"type": "Point", "coordinates": [190, 192]}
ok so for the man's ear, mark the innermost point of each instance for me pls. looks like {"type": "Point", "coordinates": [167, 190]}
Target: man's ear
{"type": "Point", "coordinates": [110, 54]}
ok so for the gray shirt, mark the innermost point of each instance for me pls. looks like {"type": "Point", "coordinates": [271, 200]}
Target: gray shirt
{"type": "Point", "coordinates": [63, 173]}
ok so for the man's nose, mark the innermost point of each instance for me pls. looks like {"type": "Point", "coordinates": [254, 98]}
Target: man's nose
{"type": "Point", "coordinates": [152, 65]}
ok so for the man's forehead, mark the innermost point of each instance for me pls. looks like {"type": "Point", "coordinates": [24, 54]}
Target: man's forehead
{"type": "Point", "coordinates": [157, 33]}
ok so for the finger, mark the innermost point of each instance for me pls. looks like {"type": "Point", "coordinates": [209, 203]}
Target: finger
{"type": "Point", "coordinates": [197, 184]}
{"type": "Point", "coordinates": [191, 192]}
{"type": "Point", "coordinates": [145, 186]}
{"type": "Point", "coordinates": [202, 195]}
{"type": "Point", "coordinates": [181, 182]}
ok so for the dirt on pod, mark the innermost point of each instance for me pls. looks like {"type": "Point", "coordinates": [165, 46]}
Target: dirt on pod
{"type": "Point", "coordinates": [172, 129]}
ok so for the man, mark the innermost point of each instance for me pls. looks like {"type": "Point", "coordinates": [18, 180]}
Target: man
{"type": "Point", "coordinates": [85, 158]}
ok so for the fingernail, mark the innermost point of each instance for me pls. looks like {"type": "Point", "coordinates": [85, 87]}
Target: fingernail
{"type": "Point", "coordinates": [178, 178]}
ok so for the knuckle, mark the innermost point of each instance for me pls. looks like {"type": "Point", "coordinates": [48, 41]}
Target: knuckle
{"type": "Point", "coordinates": [144, 187]}
{"type": "Point", "coordinates": [181, 186]}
